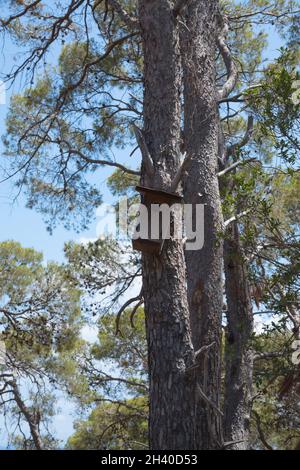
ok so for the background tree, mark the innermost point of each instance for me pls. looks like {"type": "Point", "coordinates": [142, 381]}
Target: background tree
{"type": "Point", "coordinates": [40, 324]}
{"type": "Point", "coordinates": [117, 373]}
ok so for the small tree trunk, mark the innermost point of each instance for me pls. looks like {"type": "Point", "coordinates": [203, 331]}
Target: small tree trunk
{"type": "Point", "coordinates": [34, 431]}
{"type": "Point", "coordinates": [204, 267]}
{"type": "Point", "coordinates": [166, 307]}
{"type": "Point", "coordinates": [238, 354]}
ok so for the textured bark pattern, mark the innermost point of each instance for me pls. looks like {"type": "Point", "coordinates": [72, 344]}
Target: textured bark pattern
{"type": "Point", "coordinates": [33, 427]}
{"type": "Point", "coordinates": [204, 267]}
{"type": "Point", "coordinates": [167, 318]}
{"type": "Point", "coordinates": [238, 354]}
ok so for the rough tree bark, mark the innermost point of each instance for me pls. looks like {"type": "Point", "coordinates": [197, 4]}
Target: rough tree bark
{"type": "Point", "coordinates": [199, 31]}
{"type": "Point", "coordinates": [238, 353]}
{"type": "Point", "coordinates": [166, 307]}
{"type": "Point", "coordinates": [33, 427]}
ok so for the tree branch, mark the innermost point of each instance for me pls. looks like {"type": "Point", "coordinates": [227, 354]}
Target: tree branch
{"type": "Point", "coordinates": [197, 354]}
{"type": "Point", "coordinates": [231, 443]}
{"type": "Point", "coordinates": [135, 309]}
{"type": "Point", "coordinates": [235, 165]}
{"type": "Point", "coordinates": [268, 355]}
{"type": "Point", "coordinates": [179, 175]}
{"type": "Point", "coordinates": [209, 401]}
{"type": "Point", "coordinates": [238, 98]}
{"type": "Point", "coordinates": [12, 18]}
{"type": "Point", "coordinates": [232, 149]}
{"type": "Point", "coordinates": [129, 302]}
{"type": "Point", "coordinates": [260, 431]}
{"type": "Point", "coordinates": [232, 72]}
{"type": "Point", "coordinates": [204, 349]}
{"type": "Point", "coordinates": [147, 159]}
{"type": "Point", "coordinates": [128, 20]}
{"type": "Point", "coordinates": [236, 217]}
{"type": "Point", "coordinates": [27, 415]}
{"type": "Point", "coordinates": [97, 161]}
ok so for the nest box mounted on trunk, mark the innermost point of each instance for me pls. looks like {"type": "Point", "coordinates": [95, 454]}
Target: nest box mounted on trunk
{"type": "Point", "coordinates": [154, 196]}
{"type": "Point", "coordinates": [152, 247]}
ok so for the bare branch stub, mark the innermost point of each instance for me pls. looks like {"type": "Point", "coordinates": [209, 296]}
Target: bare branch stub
{"type": "Point", "coordinates": [180, 173]}
{"type": "Point", "coordinates": [236, 217]}
{"type": "Point", "coordinates": [235, 165]}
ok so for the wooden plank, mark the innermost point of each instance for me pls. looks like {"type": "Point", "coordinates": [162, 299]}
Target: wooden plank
{"type": "Point", "coordinates": [147, 246]}
{"type": "Point", "coordinates": [155, 196]}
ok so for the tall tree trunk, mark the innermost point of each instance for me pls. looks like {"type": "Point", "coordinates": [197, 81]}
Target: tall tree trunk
{"type": "Point", "coordinates": [238, 354]}
{"type": "Point", "coordinates": [167, 316]}
{"type": "Point", "coordinates": [204, 267]}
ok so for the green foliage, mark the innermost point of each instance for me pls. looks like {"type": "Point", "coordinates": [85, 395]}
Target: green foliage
{"type": "Point", "coordinates": [120, 420]}
{"type": "Point", "coordinates": [40, 326]}
{"type": "Point", "coordinates": [112, 426]}
{"type": "Point", "coordinates": [277, 111]}
{"type": "Point", "coordinates": [121, 184]}
{"type": "Point", "coordinates": [276, 404]}
{"type": "Point", "coordinates": [127, 350]}
{"type": "Point", "coordinates": [104, 268]}
{"type": "Point", "coordinates": [39, 309]}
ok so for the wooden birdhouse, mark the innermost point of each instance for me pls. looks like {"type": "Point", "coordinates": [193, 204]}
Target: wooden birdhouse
{"type": "Point", "coordinates": [152, 247]}
{"type": "Point", "coordinates": [154, 196]}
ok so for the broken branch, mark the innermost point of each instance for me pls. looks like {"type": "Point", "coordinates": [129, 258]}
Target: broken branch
{"type": "Point", "coordinates": [209, 401]}
{"type": "Point", "coordinates": [204, 349]}
{"type": "Point", "coordinates": [235, 165]}
{"type": "Point", "coordinates": [179, 175]}
{"type": "Point", "coordinates": [236, 217]}
{"type": "Point", "coordinates": [147, 159]}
